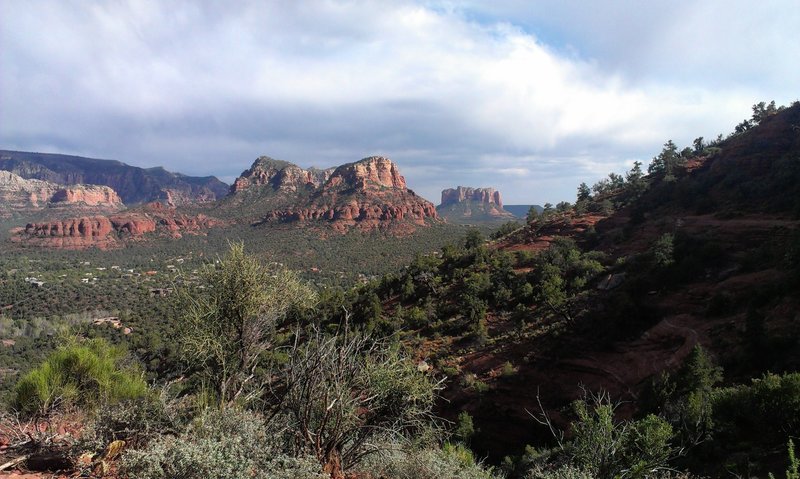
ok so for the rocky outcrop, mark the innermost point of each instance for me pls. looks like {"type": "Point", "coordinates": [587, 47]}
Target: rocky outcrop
{"type": "Point", "coordinates": [464, 193]}
{"type": "Point", "coordinates": [375, 172]}
{"type": "Point", "coordinates": [88, 195]}
{"type": "Point", "coordinates": [279, 176]}
{"type": "Point", "coordinates": [473, 205]}
{"type": "Point", "coordinates": [133, 184]}
{"type": "Point", "coordinates": [368, 194]}
{"type": "Point", "coordinates": [20, 195]}
{"type": "Point", "coordinates": [111, 231]}
{"type": "Point", "coordinates": [17, 193]}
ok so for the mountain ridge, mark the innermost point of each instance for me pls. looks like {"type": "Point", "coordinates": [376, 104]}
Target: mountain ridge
{"type": "Point", "coordinates": [135, 185]}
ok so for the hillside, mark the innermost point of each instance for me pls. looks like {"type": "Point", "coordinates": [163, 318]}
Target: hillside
{"type": "Point", "coordinates": [653, 322]}
{"type": "Point", "coordinates": [133, 184]}
{"type": "Point", "coordinates": [616, 291]}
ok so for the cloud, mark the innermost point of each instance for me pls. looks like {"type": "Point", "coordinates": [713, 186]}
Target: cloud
{"type": "Point", "coordinates": [529, 98]}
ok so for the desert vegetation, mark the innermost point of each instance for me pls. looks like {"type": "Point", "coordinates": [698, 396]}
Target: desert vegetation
{"type": "Point", "coordinates": [648, 329]}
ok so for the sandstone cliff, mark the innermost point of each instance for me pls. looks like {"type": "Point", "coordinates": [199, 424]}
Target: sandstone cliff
{"type": "Point", "coordinates": [88, 195]}
{"type": "Point", "coordinates": [17, 193]}
{"type": "Point", "coordinates": [465, 193]}
{"type": "Point", "coordinates": [111, 231]}
{"type": "Point", "coordinates": [280, 176]}
{"type": "Point", "coordinates": [473, 205]}
{"type": "Point", "coordinates": [20, 195]}
{"type": "Point", "coordinates": [368, 194]}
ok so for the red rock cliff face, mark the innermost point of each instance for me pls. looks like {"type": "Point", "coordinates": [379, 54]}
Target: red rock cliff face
{"type": "Point", "coordinates": [279, 175]}
{"type": "Point", "coordinates": [463, 193]}
{"type": "Point", "coordinates": [112, 231]}
{"type": "Point", "coordinates": [368, 194]}
{"type": "Point", "coordinates": [374, 172]}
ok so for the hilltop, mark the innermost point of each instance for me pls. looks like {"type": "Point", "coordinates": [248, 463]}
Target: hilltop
{"type": "Point", "coordinates": [369, 194]}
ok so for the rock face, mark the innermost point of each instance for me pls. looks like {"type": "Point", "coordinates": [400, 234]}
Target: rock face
{"type": "Point", "coordinates": [111, 231]}
{"type": "Point", "coordinates": [464, 193]}
{"type": "Point", "coordinates": [134, 185]}
{"type": "Point", "coordinates": [279, 175]}
{"type": "Point", "coordinates": [368, 194]}
{"type": "Point", "coordinates": [373, 173]}
{"type": "Point", "coordinates": [20, 195]}
{"type": "Point", "coordinates": [17, 193]}
{"type": "Point", "coordinates": [473, 205]}
{"type": "Point", "coordinates": [89, 195]}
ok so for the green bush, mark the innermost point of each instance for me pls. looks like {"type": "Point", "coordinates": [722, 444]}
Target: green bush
{"type": "Point", "coordinates": [741, 412]}
{"type": "Point", "coordinates": [464, 428]}
{"type": "Point", "coordinates": [81, 373]}
{"type": "Point", "coordinates": [221, 444]}
{"type": "Point", "coordinates": [608, 448]}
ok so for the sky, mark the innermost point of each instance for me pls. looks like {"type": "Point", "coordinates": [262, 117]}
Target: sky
{"type": "Point", "coordinates": [529, 97]}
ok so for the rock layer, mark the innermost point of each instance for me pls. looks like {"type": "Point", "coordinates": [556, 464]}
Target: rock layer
{"type": "Point", "coordinates": [279, 175]}
{"type": "Point", "coordinates": [368, 194]}
{"type": "Point", "coordinates": [89, 195]}
{"type": "Point", "coordinates": [19, 195]}
{"type": "Point", "coordinates": [111, 231]}
{"type": "Point", "coordinates": [465, 193]}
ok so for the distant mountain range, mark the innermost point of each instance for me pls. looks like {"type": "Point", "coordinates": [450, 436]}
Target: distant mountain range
{"type": "Point", "coordinates": [133, 184]}
{"type": "Point", "coordinates": [521, 211]}
{"type": "Point", "coordinates": [366, 195]}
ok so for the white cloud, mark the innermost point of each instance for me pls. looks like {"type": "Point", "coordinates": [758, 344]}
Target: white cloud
{"type": "Point", "coordinates": [553, 89]}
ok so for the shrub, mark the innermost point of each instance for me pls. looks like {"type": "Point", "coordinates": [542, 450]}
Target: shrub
{"type": "Point", "coordinates": [508, 370]}
{"type": "Point", "coordinates": [742, 411]}
{"type": "Point", "coordinates": [663, 251]}
{"type": "Point", "coordinates": [793, 472]}
{"type": "Point", "coordinates": [85, 374]}
{"type": "Point", "coordinates": [134, 421]}
{"type": "Point", "coordinates": [608, 448]}
{"type": "Point", "coordinates": [464, 429]}
{"type": "Point", "coordinates": [449, 462]}
{"type": "Point", "coordinates": [231, 325]}
{"type": "Point", "coordinates": [221, 444]}
{"type": "Point", "coordinates": [341, 394]}
{"type": "Point", "coordinates": [563, 472]}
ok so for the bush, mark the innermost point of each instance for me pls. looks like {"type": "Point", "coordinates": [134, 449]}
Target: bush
{"type": "Point", "coordinates": [134, 421]}
{"type": "Point", "coordinates": [563, 472]}
{"type": "Point", "coordinates": [85, 374]}
{"type": "Point", "coordinates": [508, 370]}
{"type": "Point", "coordinates": [221, 444]}
{"type": "Point", "coordinates": [449, 462]}
{"type": "Point", "coordinates": [742, 411]}
{"type": "Point", "coordinates": [464, 429]}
